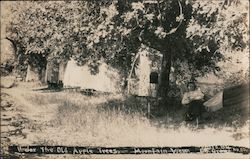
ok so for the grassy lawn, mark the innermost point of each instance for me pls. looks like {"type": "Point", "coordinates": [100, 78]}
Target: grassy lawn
{"type": "Point", "coordinates": [69, 118]}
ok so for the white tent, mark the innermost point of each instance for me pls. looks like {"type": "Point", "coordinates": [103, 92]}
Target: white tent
{"type": "Point", "coordinates": [214, 103]}
{"type": "Point", "coordinates": [7, 51]}
{"type": "Point", "coordinates": [106, 80]}
{"type": "Point", "coordinates": [144, 73]}
{"type": "Point", "coordinates": [139, 76]}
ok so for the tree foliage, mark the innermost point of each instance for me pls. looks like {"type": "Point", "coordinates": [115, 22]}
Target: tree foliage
{"type": "Point", "coordinates": [192, 35]}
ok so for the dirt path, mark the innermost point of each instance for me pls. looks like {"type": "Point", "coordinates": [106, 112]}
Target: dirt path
{"type": "Point", "coordinates": [20, 120]}
{"type": "Point", "coordinates": [31, 111]}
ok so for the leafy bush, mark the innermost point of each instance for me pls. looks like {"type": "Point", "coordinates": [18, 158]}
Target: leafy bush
{"type": "Point", "coordinates": [236, 79]}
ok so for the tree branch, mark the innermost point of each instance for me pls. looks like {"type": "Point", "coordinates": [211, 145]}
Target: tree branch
{"type": "Point", "coordinates": [175, 29]}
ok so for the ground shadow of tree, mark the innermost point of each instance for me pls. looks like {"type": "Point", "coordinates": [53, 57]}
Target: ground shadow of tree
{"type": "Point", "coordinates": [235, 116]}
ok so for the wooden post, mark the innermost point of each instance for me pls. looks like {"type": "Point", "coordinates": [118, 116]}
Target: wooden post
{"type": "Point", "coordinates": [149, 109]}
{"type": "Point", "coordinates": [129, 80]}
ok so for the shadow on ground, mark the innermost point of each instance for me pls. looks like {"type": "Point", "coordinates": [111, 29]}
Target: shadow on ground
{"type": "Point", "coordinates": [234, 116]}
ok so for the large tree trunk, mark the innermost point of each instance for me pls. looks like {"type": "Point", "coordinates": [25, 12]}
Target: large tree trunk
{"type": "Point", "coordinates": [164, 79]}
{"type": "Point", "coordinates": [36, 68]}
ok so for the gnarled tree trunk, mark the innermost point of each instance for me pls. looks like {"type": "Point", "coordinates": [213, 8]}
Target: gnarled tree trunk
{"type": "Point", "coordinates": [164, 78]}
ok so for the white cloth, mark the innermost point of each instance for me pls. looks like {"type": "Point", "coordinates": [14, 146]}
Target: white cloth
{"type": "Point", "coordinates": [144, 74]}
{"type": "Point", "coordinates": [106, 80]}
{"type": "Point", "coordinates": [214, 103]}
{"type": "Point", "coordinates": [191, 96]}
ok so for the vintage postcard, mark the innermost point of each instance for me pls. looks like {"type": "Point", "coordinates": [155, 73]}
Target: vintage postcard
{"type": "Point", "coordinates": [125, 79]}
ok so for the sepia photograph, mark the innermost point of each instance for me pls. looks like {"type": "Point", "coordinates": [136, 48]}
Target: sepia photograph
{"type": "Point", "coordinates": [125, 79]}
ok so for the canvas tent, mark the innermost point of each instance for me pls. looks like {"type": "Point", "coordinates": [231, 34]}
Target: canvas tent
{"type": "Point", "coordinates": [214, 103]}
{"type": "Point", "coordinates": [143, 77]}
{"type": "Point", "coordinates": [7, 51]}
{"type": "Point", "coordinates": [55, 71]}
{"type": "Point", "coordinates": [32, 74]}
{"type": "Point", "coordinates": [7, 56]}
{"type": "Point", "coordinates": [232, 96]}
{"type": "Point", "coordinates": [72, 76]}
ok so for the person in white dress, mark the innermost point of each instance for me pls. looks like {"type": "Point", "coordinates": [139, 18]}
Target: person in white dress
{"type": "Point", "coordinates": [193, 99]}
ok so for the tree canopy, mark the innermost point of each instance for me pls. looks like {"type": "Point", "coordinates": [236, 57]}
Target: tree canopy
{"type": "Point", "coordinates": [192, 35]}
